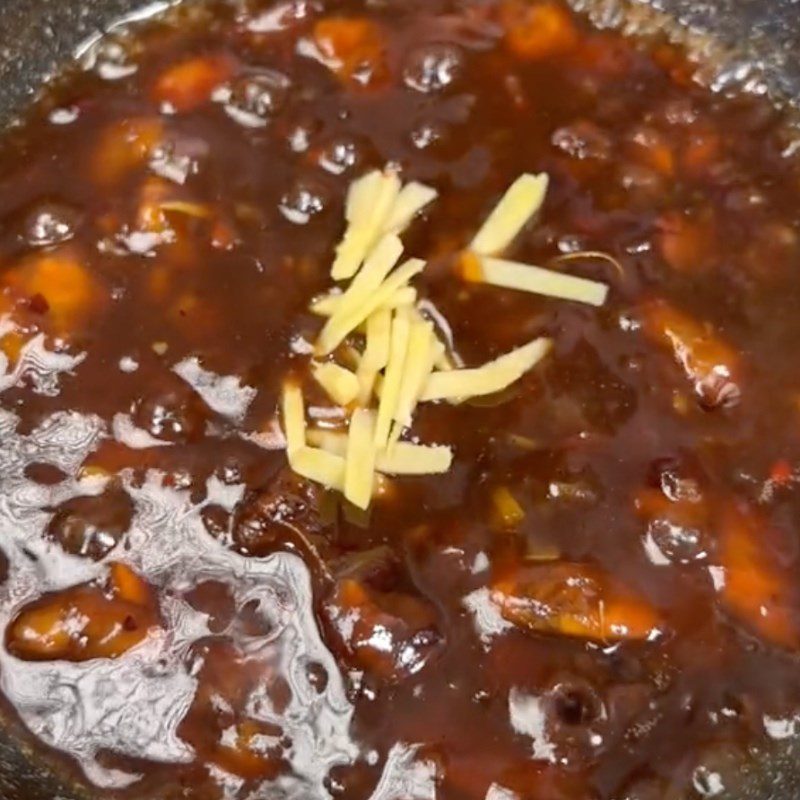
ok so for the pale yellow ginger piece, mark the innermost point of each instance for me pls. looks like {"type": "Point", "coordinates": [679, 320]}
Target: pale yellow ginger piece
{"type": "Point", "coordinates": [393, 376]}
{"type": "Point", "coordinates": [361, 196]}
{"type": "Point", "coordinates": [359, 476]}
{"type": "Point", "coordinates": [294, 417]}
{"type": "Point", "coordinates": [370, 200]}
{"type": "Point", "coordinates": [379, 331]}
{"type": "Point", "coordinates": [520, 202]}
{"type": "Point", "coordinates": [414, 459]}
{"type": "Point", "coordinates": [361, 291]}
{"type": "Point", "coordinates": [488, 379]}
{"type": "Point", "coordinates": [412, 199]}
{"type": "Point", "coordinates": [444, 362]}
{"type": "Point", "coordinates": [418, 367]}
{"type": "Point", "coordinates": [438, 351]}
{"type": "Point", "coordinates": [404, 458]}
{"type": "Point", "coordinates": [339, 326]}
{"type": "Point", "coordinates": [439, 359]}
{"type": "Point", "coordinates": [376, 352]}
{"type": "Point", "coordinates": [527, 278]}
{"type": "Point", "coordinates": [438, 355]}
{"type": "Point", "coordinates": [340, 384]}
{"type": "Point", "coordinates": [326, 305]}
{"type": "Point", "coordinates": [382, 259]}
{"type": "Point", "coordinates": [319, 466]}
{"type": "Point", "coordinates": [443, 358]}
{"type": "Point", "coordinates": [329, 440]}
{"type": "Point", "coordinates": [406, 296]}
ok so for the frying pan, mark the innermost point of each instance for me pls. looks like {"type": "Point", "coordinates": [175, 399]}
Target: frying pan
{"type": "Point", "coordinates": [757, 42]}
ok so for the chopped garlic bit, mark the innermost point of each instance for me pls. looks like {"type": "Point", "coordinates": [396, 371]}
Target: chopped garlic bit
{"type": "Point", "coordinates": [488, 379]}
{"type": "Point", "coordinates": [294, 417]}
{"type": "Point", "coordinates": [341, 385]}
{"type": "Point", "coordinates": [520, 202]}
{"type": "Point", "coordinates": [360, 466]}
{"type": "Point", "coordinates": [527, 278]}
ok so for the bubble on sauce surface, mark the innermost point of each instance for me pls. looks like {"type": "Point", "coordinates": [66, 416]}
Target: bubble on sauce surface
{"type": "Point", "coordinates": [427, 134]}
{"type": "Point", "coordinates": [668, 542]}
{"type": "Point", "coordinates": [254, 98]}
{"type": "Point", "coordinates": [304, 200]}
{"type": "Point", "coordinates": [179, 158]}
{"type": "Point", "coordinates": [678, 477]}
{"type": "Point", "coordinates": [340, 155]}
{"type": "Point", "coordinates": [173, 412]}
{"type": "Point", "coordinates": [583, 140]}
{"type": "Point", "coordinates": [51, 223]}
{"type": "Point", "coordinates": [433, 67]}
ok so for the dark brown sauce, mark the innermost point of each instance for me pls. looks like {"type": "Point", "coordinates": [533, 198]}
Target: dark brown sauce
{"type": "Point", "coordinates": [184, 617]}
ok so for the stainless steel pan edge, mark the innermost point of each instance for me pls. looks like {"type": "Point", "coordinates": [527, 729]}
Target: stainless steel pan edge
{"type": "Point", "coordinates": [761, 43]}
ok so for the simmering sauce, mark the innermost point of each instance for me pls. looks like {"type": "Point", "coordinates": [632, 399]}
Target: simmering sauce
{"type": "Point", "coordinates": [599, 600]}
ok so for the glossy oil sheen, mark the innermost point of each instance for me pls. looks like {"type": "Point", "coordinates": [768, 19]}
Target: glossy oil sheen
{"type": "Point", "coordinates": [379, 655]}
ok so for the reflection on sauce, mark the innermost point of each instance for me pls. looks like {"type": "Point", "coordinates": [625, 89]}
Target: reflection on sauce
{"type": "Point", "coordinates": [598, 601]}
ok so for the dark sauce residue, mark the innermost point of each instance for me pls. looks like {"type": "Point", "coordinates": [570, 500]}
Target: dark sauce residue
{"type": "Point", "coordinates": [184, 617]}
